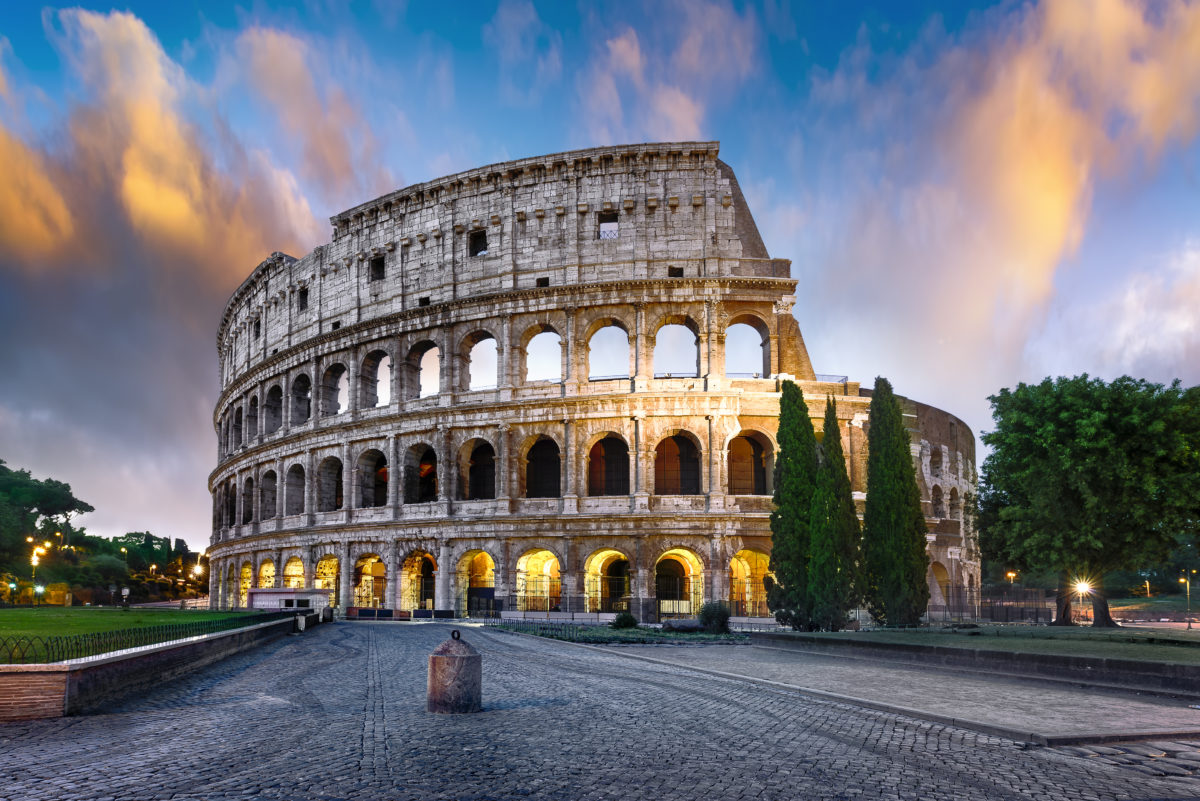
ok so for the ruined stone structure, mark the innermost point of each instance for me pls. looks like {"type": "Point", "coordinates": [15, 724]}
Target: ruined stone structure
{"type": "Point", "coordinates": [546, 387]}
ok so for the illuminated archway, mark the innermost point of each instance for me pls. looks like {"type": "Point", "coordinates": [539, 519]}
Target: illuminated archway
{"type": "Point", "coordinates": [939, 585]}
{"type": "Point", "coordinates": [245, 579]}
{"type": "Point", "coordinates": [747, 590]}
{"type": "Point", "coordinates": [417, 577]}
{"type": "Point", "coordinates": [266, 574]}
{"type": "Point", "coordinates": [678, 583]}
{"type": "Point", "coordinates": [539, 585]}
{"type": "Point", "coordinates": [476, 585]}
{"type": "Point", "coordinates": [607, 581]}
{"type": "Point", "coordinates": [370, 581]}
{"type": "Point", "coordinates": [231, 587]}
{"type": "Point", "coordinates": [293, 573]}
{"type": "Point", "coordinates": [325, 577]}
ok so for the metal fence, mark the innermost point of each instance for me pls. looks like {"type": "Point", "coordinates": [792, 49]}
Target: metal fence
{"type": "Point", "coordinates": [1014, 605]}
{"type": "Point", "coordinates": [21, 650]}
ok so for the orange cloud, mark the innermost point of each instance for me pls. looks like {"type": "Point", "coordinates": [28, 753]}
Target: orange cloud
{"type": "Point", "coordinates": [34, 218]}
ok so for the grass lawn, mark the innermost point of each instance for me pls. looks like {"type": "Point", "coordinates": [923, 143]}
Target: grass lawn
{"type": "Point", "coordinates": [1145, 644]}
{"type": "Point", "coordinates": [599, 635]}
{"type": "Point", "coordinates": [1156, 603]}
{"type": "Point", "coordinates": [58, 621]}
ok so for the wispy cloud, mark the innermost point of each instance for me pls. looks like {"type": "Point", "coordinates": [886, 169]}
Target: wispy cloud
{"type": "Point", "coordinates": [529, 51]}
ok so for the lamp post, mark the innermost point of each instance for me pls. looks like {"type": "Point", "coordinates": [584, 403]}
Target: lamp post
{"type": "Point", "coordinates": [1186, 581]}
{"type": "Point", "coordinates": [1012, 576]}
{"type": "Point", "coordinates": [38, 589]}
{"type": "Point", "coordinates": [1082, 588]}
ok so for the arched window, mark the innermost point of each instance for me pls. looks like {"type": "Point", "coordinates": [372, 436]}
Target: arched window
{"type": "Point", "coordinates": [955, 506]}
{"type": "Point", "coordinates": [335, 390]}
{"type": "Point", "coordinates": [373, 479]}
{"type": "Point", "coordinates": [417, 579]}
{"type": "Point", "coordinates": [749, 465]}
{"type": "Point", "coordinates": [269, 490]}
{"type": "Point", "coordinates": [375, 380]}
{"type": "Point", "coordinates": [677, 467]}
{"type": "Point", "coordinates": [326, 576]}
{"type": "Point", "coordinates": [237, 428]}
{"type": "Point", "coordinates": [543, 357]}
{"type": "Point", "coordinates": [477, 479]}
{"type": "Point", "coordinates": [293, 491]}
{"type": "Point", "coordinates": [252, 421]}
{"type": "Point", "coordinates": [329, 485]}
{"type": "Point", "coordinates": [266, 573]}
{"type": "Point", "coordinates": [482, 361]}
{"type": "Point", "coordinates": [476, 585]}
{"type": "Point", "coordinates": [539, 584]}
{"type": "Point", "coordinates": [608, 353]}
{"type": "Point", "coordinates": [939, 508]}
{"type": "Point", "coordinates": [608, 467]}
{"type": "Point", "coordinates": [273, 410]}
{"type": "Point", "coordinates": [676, 352]}
{"type": "Point", "coordinates": [678, 583]}
{"type": "Point", "coordinates": [747, 350]}
{"type": "Point", "coordinates": [370, 581]}
{"type": "Point", "coordinates": [543, 470]}
{"type": "Point", "coordinates": [230, 503]}
{"type": "Point", "coordinates": [423, 376]}
{"type": "Point", "coordinates": [420, 475]}
{"type": "Point", "coordinates": [248, 501]}
{"type": "Point", "coordinates": [293, 573]}
{"type": "Point", "coordinates": [301, 399]}
{"type": "Point", "coordinates": [607, 581]}
{"type": "Point", "coordinates": [935, 461]}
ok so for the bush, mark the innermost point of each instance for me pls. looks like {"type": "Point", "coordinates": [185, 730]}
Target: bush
{"type": "Point", "coordinates": [714, 616]}
{"type": "Point", "coordinates": [624, 620]}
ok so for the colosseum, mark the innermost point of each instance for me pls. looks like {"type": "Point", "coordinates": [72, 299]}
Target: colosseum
{"type": "Point", "coordinates": [544, 388]}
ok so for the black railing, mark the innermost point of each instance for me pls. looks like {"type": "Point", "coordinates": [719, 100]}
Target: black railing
{"type": "Point", "coordinates": [20, 650]}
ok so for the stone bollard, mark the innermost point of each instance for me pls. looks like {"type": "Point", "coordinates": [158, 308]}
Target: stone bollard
{"type": "Point", "coordinates": [455, 677]}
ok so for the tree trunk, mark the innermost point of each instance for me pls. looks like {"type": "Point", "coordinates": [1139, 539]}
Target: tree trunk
{"type": "Point", "coordinates": [1101, 616]}
{"type": "Point", "coordinates": [1062, 616]}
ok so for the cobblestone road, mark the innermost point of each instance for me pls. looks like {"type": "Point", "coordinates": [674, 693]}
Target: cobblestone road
{"type": "Point", "coordinates": [339, 714]}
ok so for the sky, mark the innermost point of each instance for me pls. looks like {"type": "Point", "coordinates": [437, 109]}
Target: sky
{"type": "Point", "coordinates": [972, 195]}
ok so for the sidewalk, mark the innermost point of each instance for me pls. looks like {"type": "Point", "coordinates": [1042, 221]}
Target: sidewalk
{"type": "Point", "coordinates": [1029, 710]}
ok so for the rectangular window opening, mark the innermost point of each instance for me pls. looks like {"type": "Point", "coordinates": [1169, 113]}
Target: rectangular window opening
{"type": "Point", "coordinates": [674, 272]}
{"type": "Point", "coordinates": [477, 243]}
{"type": "Point", "coordinates": [302, 299]}
{"type": "Point", "coordinates": [336, 325]}
{"type": "Point", "coordinates": [423, 301]}
{"type": "Point", "coordinates": [377, 268]}
{"type": "Point", "coordinates": [257, 329]}
{"type": "Point", "coordinates": [608, 224]}
{"type": "Point", "coordinates": [542, 282]}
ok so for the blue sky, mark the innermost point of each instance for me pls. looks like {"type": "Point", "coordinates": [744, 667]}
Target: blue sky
{"type": "Point", "coordinates": [972, 195]}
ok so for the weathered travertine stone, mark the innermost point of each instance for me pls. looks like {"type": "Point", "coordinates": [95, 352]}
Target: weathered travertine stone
{"type": "Point", "coordinates": [455, 678]}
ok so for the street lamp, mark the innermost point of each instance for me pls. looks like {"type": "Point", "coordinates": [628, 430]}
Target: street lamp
{"type": "Point", "coordinates": [1186, 581]}
{"type": "Point", "coordinates": [1012, 576]}
{"type": "Point", "coordinates": [125, 556]}
{"type": "Point", "coordinates": [38, 589]}
{"type": "Point", "coordinates": [152, 569]}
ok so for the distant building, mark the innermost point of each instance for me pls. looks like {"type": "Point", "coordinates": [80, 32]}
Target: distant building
{"type": "Point", "coordinates": [546, 387]}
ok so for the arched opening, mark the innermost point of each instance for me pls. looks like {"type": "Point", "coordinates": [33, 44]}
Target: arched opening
{"type": "Point", "coordinates": [266, 574]}
{"type": "Point", "coordinates": [417, 577]}
{"type": "Point", "coordinates": [939, 506]}
{"type": "Point", "coordinates": [676, 351]}
{"type": "Point", "coordinates": [293, 491]}
{"type": "Point", "coordinates": [372, 479]}
{"type": "Point", "coordinates": [268, 492]}
{"type": "Point", "coordinates": [248, 502]}
{"type": "Point", "coordinates": [325, 577]}
{"type": "Point", "coordinates": [747, 588]}
{"type": "Point", "coordinates": [273, 410]}
{"type": "Point", "coordinates": [608, 353]}
{"type": "Point", "coordinates": [375, 380]}
{"type": "Point", "coordinates": [608, 467]}
{"type": "Point", "coordinates": [750, 464]}
{"type": "Point", "coordinates": [747, 349]}
{"type": "Point", "coordinates": [477, 585]}
{"type": "Point", "coordinates": [677, 466]}
{"type": "Point", "coordinates": [245, 580]}
{"type": "Point", "coordinates": [329, 485]}
{"type": "Point", "coordinates": [230, 599]}
{"type": "Point", "coordinates": [252, 421]}
{"type": "Point", "coordinates": [335, 390]}
{"type": "Point", "coordinates": [539, 585]}
{"type": "Point", "coordinates": [939, 585]}
{"type": "Point", "coordinates": [477, 471]}
{"type": "Point", "coordinates": [424, 365]}
{"type": "Point", "coordinates": [935, 461]}
{"type": "Point", "coordinates": [370, 581]}
{"type": "Point", "coordinates": [481, 361]}
{"type": "Point", "coordinates": [543, 357]}
{"type": "Point", "coordinates": [237, 428]}
{"type": "Point", "coordinates": [230, 503]}
{"type": "Point", "coordinates": [543, 470]}
{"type": "Point", "coordinates": [420, 474]}
{"type": "Point", "coordinates": [293, 573]}
{"type": "Point", "coordinates": [678, 583]}
{"type": "Point", "coordinates": [955, 506]}
{"type": "Point", "coordinates": [301, 399]}
{"type": "Point", "coordinates": [607, 581]}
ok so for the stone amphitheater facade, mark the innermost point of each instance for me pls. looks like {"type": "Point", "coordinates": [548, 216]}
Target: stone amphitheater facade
{"type": "Point", "coordinates": [460, 405]}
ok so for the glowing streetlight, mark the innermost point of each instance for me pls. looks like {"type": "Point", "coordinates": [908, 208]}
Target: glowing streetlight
{"type": "Point", "coordinates": [1186, 581]}
{"type": "Point", "coordinates": [1012, 576]}
{"type": "Point", "coordinates": [38, 589]}
{"type": "Point", "coordinates": [153, 568]}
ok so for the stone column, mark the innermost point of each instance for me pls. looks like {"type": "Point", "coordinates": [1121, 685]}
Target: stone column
{"type": "Point", "coordinates": [277, 558]}
{"type": "Point", "coordinates": [394, 472]}
{"type": "Point", "coordinates": [315, 393]}
{"type": "Point", "coordinates": [569, 475]}
{"type": "Point", "coordinates": [393, 573]}
{"type": "Point", "coordinates": [345, 576]}
{"type": "Point", "coordinates": [503, 466]}
{"type": "Point", "coordinates": [260, 420]}
{"type": "Point", "coordinates": [285, 413]}
{"type": "Point", "coordinates": [447, 466]}
{"type": "Point", "coordinates": [641, 482]}
{"type": "Point", "coordinates": [447, 368]}
{"type": "Point", "coordinates": [569, 370]}
{"type": "Point", "coordinates": [310, 487]}
{"type": "Point", "coordinates": [441, 585]}
{"type": "Point", "coordinates": [642, 370]}
{"type": "Point", "coordinates": [349, 474]}
{"type": "Point", "coordinates": [280, 484]}
{"type": "Point", "coordinates": [310, 567]}
{"type": "Point", "coordinates": [506, 369]}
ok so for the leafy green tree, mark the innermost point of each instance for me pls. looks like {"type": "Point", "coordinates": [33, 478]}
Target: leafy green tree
{"type": "Point", "coordinates": [28, 505]}
{"type": "Point", "coordinates": [795, 480]}
{"type": "Point", "coordinates": [893, 542]}
{"type": "Point", "coordinates": [1086, 477]}
{"type": "Point", "coordinates": [834, 532]}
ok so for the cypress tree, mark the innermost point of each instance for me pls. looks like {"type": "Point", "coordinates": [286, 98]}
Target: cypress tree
{"type": "Point", "coordinates": [834, 532]}
{"type": "Point", "coordinates": [893, 542]}
{"type": "Point", "coordinates": [795, 479]}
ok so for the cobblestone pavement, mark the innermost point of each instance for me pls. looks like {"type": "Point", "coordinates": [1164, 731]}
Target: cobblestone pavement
{"type": "Point", "coordinates": [339, 714]}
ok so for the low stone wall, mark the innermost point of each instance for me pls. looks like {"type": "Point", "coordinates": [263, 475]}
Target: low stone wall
{"type": "Point", "coordinates": [81, 685]}
{"type": "Point", "coordinates": [1171, 677]}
